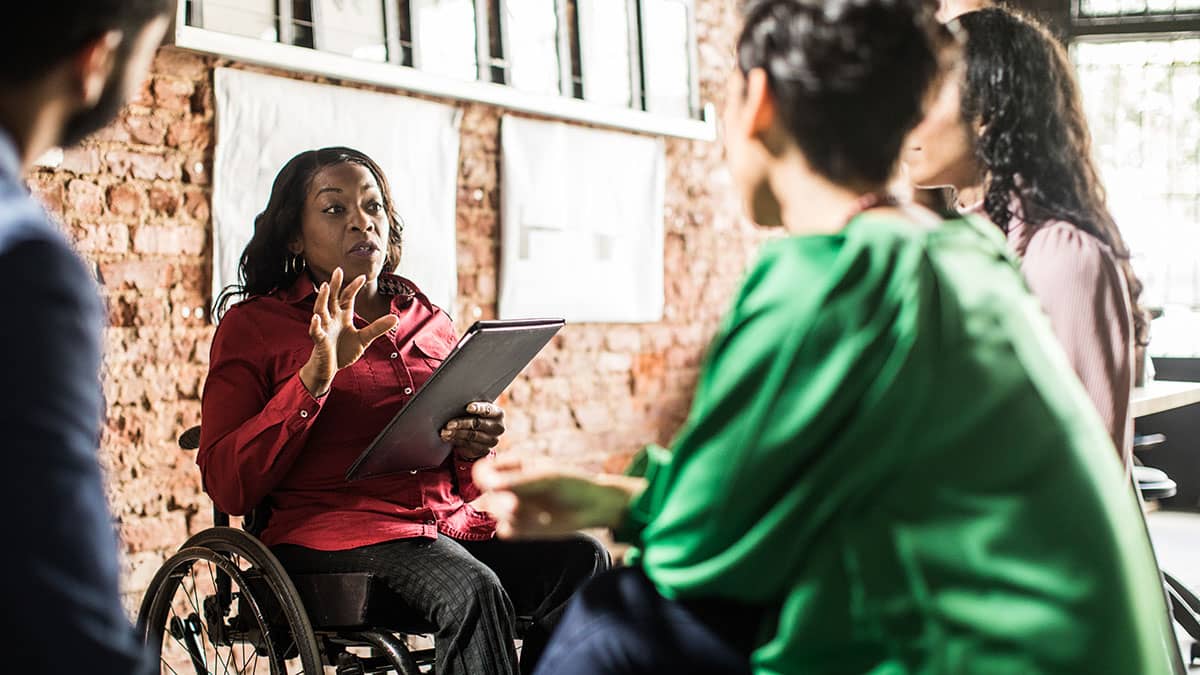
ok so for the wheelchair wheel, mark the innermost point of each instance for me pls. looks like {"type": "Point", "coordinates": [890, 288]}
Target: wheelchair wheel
{"type": "Point", "coordinates": [223, 604]}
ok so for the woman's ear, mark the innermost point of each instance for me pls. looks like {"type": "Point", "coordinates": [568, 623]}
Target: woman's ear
{"type": "Point", "coordinates": [296, 245]}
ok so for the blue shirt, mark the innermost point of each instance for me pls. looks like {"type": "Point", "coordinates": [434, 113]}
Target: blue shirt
{"type": "Point", "coordinates": [59, 573]}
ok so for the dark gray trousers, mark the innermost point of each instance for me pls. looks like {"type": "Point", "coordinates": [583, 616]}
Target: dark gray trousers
{"type": "Point", "coordinates": [473, 593]}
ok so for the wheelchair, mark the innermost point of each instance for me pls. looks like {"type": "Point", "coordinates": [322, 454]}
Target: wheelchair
{"type": "Point", "coordinates": [224, 604]}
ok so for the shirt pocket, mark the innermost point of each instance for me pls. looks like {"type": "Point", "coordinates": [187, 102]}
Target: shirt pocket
{"type": "Point", "coordinates": [431, 349]}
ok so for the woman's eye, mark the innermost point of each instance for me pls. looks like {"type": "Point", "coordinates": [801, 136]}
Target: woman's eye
{"type": "Point", "coordinates": [374, 207]}
{"type": "Point", "coordinates": [333, 209]}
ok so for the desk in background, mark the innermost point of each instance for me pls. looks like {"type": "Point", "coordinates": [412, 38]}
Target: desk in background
{"type": "Point", "coordinates": [1160, 396]}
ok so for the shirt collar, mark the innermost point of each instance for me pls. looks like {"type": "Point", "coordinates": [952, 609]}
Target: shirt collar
{"type": "Point", "coordinates": [10, 159]}
{"type": "Point", "coordinates": [400, 289]}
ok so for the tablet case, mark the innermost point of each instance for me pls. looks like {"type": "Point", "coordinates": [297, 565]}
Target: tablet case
{"type": "Point", "coordinates": [486, 360]}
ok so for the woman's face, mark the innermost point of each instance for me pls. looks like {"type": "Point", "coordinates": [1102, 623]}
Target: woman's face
{"type": "Point", "coordinates": [344, 223]}
{"type": "Point", "coordinates": [748, 160]}
{"type": "Point", "coordinates": [940, 151]}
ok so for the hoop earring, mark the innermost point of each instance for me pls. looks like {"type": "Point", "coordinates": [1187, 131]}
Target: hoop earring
{"type": "Point", "coordinates": [295, 265]}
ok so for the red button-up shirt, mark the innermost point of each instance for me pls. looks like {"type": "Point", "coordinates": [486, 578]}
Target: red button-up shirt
{"type": "Point", "coordinates": [263, 436]}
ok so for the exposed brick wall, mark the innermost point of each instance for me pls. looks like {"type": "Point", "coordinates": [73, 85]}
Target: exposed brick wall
{"type": "Point", "coordinates": [136, 201]}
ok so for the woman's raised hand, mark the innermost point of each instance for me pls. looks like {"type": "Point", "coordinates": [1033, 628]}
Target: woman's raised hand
{"type": "Point", "coordinates": [337, 343]}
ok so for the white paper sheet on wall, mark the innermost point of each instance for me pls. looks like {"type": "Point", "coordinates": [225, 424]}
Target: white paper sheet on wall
{"type": "Point", "coordinates": [582, 223]}
{"type": "Point", "coordinates": [263, 121]}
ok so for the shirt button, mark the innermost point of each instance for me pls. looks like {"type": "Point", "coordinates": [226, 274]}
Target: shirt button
{"type": "Point", "coordinates": [407, 390]}
{"type": "Point", "coordinates": [304, 413]}
{"type": "Point", "coordinates": [395, 354]}
{"type": "Point", "coordinates": [431, 522]}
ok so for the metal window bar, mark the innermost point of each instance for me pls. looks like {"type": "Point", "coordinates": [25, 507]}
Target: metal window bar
{"type": "Point", "coordinates": [392, 31]}
{"type": "Point", "coordinates": [575, 90]}
{"type": "Point", "coordinates": [633, 14]}
{"type": "Point", "coordinates": [694, 108]}
{"type": "Point", "coordinates": [562, 39]}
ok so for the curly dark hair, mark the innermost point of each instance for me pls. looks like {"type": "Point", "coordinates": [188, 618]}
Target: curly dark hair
{"type": "Point", "coordinates": [849, 76]}
{"type": "Point", "coordinates": [1034, 144]}
{"type": "Point", "coordinates": [265, 266]}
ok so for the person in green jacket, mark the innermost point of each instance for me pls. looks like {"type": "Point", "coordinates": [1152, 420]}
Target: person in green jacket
{"type": "Point", "coordinates": [889, 466]}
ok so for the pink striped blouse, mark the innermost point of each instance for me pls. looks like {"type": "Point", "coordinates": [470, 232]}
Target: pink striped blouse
{"type": "Point", "coordinates": [1080, 285]}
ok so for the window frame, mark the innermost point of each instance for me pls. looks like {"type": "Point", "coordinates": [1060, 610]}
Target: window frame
{"type": "Point", "coordinates": [394, 74]}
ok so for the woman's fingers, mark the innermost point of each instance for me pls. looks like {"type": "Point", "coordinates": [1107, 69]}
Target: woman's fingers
{"type": "Point", "coordinates": [335, 290]}
{"type": "Point", "coordinates": [321, 306]}
{"type": "Point", "coordinates": [315, 331]}
{"type": "Point", "coordinates": [348, 294]}
{"type": "Point", "coordinates": [376, 328]}
{"type": "Point", "coordinates": [492, 426]}
{"type": "Point", "coordinates": [485, 409]}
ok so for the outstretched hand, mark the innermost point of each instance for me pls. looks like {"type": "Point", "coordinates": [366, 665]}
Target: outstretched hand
{"type": "Point", "coordinates": [337, 342]}
{"type": "Point", "coordinates": [533, 500]}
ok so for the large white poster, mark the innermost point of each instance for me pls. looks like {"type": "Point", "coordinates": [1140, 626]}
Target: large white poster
{"type": "Point", "coordinates": [582, 216]}
{"type": "Point", "coordinates": [263, 121]}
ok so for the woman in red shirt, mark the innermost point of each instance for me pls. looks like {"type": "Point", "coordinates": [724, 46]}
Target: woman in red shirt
{"type": "Point", "coordinates": [324, 347]}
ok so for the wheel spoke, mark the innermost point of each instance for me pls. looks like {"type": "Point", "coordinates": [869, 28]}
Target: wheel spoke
{"type": "Point", "coordinates": [186, 649]}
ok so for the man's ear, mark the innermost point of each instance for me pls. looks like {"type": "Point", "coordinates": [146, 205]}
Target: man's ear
{"type": "Point", "coordinates": [94, 64]}
{"type": "Point", "coordinates": [760, 104]}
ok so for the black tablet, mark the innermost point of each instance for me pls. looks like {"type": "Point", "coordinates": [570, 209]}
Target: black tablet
{"type": "Point", "coordinates": [486, 360]}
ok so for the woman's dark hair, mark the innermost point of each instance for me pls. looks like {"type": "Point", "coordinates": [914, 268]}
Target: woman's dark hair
{"type": "Point", "coordinates": [1021, 90]}
{"type": "Point", "coordinates": [267, 264]}
{"type": "Point", "coordinates": [849, 76]}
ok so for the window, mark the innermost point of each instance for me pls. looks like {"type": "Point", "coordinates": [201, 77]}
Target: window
{"type": "Point", "coordinates": [445, 38]}
{"type": "Point", "coordinates": [1139, 77]}
{"type": "Point", "coordinates": [623, 63]}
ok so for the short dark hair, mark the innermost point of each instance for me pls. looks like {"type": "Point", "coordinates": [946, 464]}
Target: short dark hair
{"type": "Point", "coordinates": [43, 33]}
{"type": "Point", "coordinates": [849, 76]}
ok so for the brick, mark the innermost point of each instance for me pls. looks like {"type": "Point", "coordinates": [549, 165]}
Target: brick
{"type": "Point", "coordinates": [139, 275]}
{"type": "Point", "coordinates": [85, 198]}
{"type": "Point", "coordinates": [190, 133]}
{"type": "Point", "coordinates": [146, 129]}
{"type": "Point", "coordinates": [593, 416]}
{"type": "Point", "coordinates": [611, 362]}
{"type": "Point", "coordinates": [113, 133]}
{"type": "Point", "coordinates": [81, 160]}
{"type": "Point", "coordinates": [196, 204]}
{"type": "Point", "coordinates": [124, 199]}
{"type": "Point", "coordinates": [179, 63]}
{"type": "Point", "coordinates": [49, 191]}
{"type": "Point", "coordinates": [101, 237]}
{"type": "Point", "coordinates": [165, 199]}
{"type": "Point", "coordinates": [169, 240]}
{"type": "Point", "coordinates": [173, 94]}
{"type": "Point", "coordinates": [154, 534]}
{"type": "Point", "coordinates": [142, 165]}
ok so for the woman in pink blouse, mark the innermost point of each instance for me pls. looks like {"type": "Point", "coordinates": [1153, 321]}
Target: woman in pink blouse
{"type": "Point", "coordinates": [1008, 134]}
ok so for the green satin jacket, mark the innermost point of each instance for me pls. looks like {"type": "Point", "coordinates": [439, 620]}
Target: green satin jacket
{"type": "Point", "coordinates": [889, 451]}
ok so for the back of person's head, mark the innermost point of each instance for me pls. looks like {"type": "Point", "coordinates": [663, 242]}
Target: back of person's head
{"type": "Point", "coordinates": [1033, 143]}
{"type": "Point", "coordinates": [848, 77]}
{"type": "Point", "coordinates": [41, 35]}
